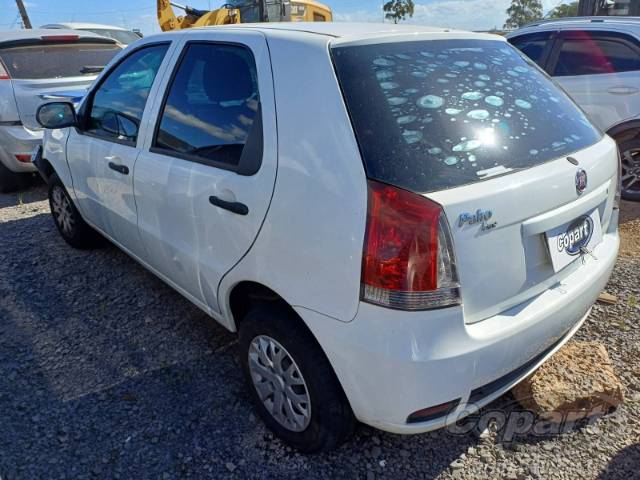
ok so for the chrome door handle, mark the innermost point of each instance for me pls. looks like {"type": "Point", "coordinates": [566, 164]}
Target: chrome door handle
{"type": "Point", "coordinates": [622, 90]}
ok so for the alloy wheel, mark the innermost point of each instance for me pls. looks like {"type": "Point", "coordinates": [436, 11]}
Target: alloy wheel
{"type": "Point", "coordinates": [279, 383]}
{"type": "Point", "coordinates": [62, 211]}
{"type": "Point", "coordinates": [631, 170]}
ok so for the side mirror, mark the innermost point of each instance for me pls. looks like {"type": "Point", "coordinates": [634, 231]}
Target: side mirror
{"type": "Point", "coordinates": [56, 115]}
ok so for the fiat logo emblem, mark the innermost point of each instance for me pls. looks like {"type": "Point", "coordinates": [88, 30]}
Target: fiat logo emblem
{"type": "Point", "coordinates": [581, 181]}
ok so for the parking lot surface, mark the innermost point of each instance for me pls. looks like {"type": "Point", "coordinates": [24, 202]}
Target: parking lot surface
{"type": "Point", "coordinates": [105, 372]}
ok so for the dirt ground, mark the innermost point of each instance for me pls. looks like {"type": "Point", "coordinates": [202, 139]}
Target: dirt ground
{"type": "Point", "coordinates": [630, 229]}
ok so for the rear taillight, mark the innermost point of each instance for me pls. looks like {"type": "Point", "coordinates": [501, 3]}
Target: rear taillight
{"type": "Point", "coordinates": [408, 260]}
{"type": "Point", "coordinates": [4, 75]}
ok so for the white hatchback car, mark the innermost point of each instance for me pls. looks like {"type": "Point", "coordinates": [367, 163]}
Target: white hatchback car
{"type": "Point", "coordinates": [401, 223]}
{"type": "Point", "coordinates": [597, 61]}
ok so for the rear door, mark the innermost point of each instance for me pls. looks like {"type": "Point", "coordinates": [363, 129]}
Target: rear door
{"type": "Point", "coordinates": [205, 177]}
{"type": "Point", "coordinates": [39, 68]}
{"type": "Point", "coordinates": [601, 72]}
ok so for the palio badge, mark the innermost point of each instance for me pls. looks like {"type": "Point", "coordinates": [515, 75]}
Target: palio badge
{"type": "Point", "coordinates": [482, 217]}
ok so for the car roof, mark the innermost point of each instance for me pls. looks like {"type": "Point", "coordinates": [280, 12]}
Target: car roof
{"type": "Point", "coordinates": [38, 33]}
{"type": "Point", "coordinates": [81, 25]}
{"type": "Point", "coordinates": [631, 23]}
{"type": "Point", "coordinates": [339, 29]}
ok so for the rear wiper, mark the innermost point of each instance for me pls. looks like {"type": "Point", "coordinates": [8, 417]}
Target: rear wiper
{"type": "Point", "coordinates": [91, 69]}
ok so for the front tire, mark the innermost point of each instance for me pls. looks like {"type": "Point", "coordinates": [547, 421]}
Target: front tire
{"type": "Point", "coordinates": [291, 382]}
{"type": "Point", "coordinates": [73, 229]}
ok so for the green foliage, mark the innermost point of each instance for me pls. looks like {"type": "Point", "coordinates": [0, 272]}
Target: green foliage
{"type": "Point", "coordinates": [564, 10]}
{"type": "Point", "coordinates": [521, 12]}
{"type": "Point", "coordinates": [398, 10]}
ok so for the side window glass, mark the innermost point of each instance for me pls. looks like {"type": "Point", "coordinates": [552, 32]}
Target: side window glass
{"type": "Point", "coordinates": [531, 45]}
{"type": "Point", "coordinates": [591, 56]}
{"type": "Point", "coordinates": [211, 106]}
{"type": "Point", "coordinates": [118, 104]}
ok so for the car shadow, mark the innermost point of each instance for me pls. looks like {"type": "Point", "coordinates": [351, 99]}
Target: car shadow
{"type": "Point", "coordinates": [36, 193]}
{"type": "Point", "coordinates": [105, 371]}
{"type": "Point", "coordinates": [623, 465]}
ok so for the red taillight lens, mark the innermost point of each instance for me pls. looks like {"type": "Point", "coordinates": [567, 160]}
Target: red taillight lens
{"type": "Point", "coordinates": [60, 38]}
{"type": "Point", "coordinates": [407, 261]}
{"type": "Point", "coordinates": [4, 75]}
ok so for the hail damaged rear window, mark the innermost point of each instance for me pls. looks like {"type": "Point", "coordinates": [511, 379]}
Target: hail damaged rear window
{"type": "Point", "coordinates": [431, 115]}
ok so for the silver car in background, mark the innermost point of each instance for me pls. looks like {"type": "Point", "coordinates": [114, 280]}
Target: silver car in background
{"type": "Point", "coordinates": [119, 34]}
{"type": "Point", "coordinates": [38, 66]}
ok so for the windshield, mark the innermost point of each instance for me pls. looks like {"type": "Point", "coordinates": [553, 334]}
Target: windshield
{"type": "Point", "coordinates": [431, 115]}
{"type": "Point", "coordinates": [123, 36]}
{"type": "Point", "coordinates": [53, 60]}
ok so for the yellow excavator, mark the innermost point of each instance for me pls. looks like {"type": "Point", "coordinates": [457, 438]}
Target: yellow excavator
{"type": "Point", "coordinates": [243, 11]}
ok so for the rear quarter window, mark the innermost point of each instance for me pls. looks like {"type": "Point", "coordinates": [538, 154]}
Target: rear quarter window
{"type": "Point", "coordinates": [432, 115]}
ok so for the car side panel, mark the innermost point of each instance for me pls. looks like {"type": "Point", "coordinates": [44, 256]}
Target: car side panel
{"type": "Point", "coordinates": [310, 248]}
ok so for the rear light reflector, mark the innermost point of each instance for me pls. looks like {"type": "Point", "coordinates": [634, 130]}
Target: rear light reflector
{"type": "Point", "coordinates": [23, 157]}
{"type": "Point", "coordinates": [408, 260]}
{"type": "Point", "coordinates": [60, 38]}
{"type": "Point", "coordinates": [434, 412]}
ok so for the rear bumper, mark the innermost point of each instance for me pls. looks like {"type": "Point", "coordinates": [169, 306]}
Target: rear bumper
{"type": "Point", "coordinates": [16, 139]}
{"type": "Point", "coordinates": [393, 363]}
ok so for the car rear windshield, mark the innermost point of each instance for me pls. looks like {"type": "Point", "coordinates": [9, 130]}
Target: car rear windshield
{"type": "Point", "coordinates": [53, 60]}
{"type": "Point", "coordinates": [432, 115]}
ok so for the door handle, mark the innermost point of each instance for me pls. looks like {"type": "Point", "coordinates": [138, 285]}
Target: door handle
{"type": "Point", "coordinates": [622, 90]}
{"type": "Point", "coordinates": [235, 207]}
{"type": "Point", "coordinates": [123, 169]}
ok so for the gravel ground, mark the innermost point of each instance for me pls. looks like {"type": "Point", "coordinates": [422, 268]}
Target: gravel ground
{"type": "Point", "coordinates": [105, 372]}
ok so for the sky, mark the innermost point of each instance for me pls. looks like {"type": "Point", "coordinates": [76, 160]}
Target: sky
{"type": "Point", "coordinates": [462, 14]}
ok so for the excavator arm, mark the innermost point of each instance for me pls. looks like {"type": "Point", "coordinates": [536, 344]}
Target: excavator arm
{"type": "Point", "coordinates": [192, 17]}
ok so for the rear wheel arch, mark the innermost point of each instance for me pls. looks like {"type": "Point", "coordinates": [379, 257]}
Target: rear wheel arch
{"type": "Point", "coordinates": [624, 131]}
{"type": "Point", "coordinates": [246, 295]}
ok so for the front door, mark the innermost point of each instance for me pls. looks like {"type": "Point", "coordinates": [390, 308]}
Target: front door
{"type": "Point", "coordinates": [102, 152]}
{"type": "Point", "coordinates": [204, 180]}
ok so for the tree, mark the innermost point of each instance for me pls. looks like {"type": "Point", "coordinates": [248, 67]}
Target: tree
{"type": "Point", "coordinates": [564, 10]}
{"type": "Point", "coordinates": [521, 12]}
{"type": "Point", "coordinates": [398, 10]}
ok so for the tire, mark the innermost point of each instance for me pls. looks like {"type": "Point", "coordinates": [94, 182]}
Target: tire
{"type": "Point", "coordinates": [630, 157]}
{"type": "Point", "coordinates": [12, 181]}
{"type": "Point", "coordinates": [329, 420]}
{"type": "Point", "coordinates": [73, 229]}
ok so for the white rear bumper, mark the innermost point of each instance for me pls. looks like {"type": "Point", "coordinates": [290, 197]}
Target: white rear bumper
{"type": "Point", "coordinates": [393, 363]}
{"type": "Point", "coordinates": [16, 139]}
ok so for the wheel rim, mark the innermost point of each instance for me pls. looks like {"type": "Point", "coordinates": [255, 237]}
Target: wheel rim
{"type": "Point", "coordinates": [631, 170]}
{"type": "Point", "coordinates": [62, 212]}
{"type": "Point", "coordinates": [279, 383]}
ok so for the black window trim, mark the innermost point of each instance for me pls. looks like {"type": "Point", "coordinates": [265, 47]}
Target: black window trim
{"type": "Point", "coordinates": [248, 165]}
{"type": "Point", "coordinates": [547, 50]}
{"type": "Point", "coordinates": [88, 103]}
{"type": "Point", "coordinates": [608, 35]}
